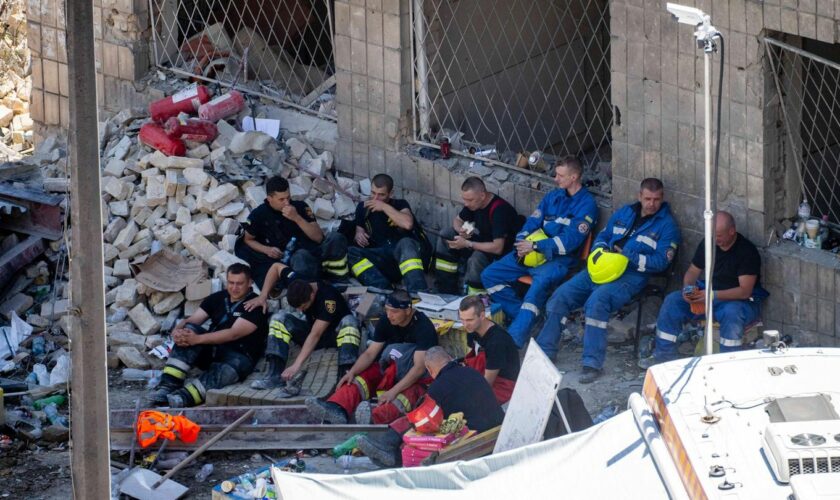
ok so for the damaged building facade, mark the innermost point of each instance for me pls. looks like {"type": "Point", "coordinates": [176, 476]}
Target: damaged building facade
{"type": "Point", "coordinates": [616, 82]}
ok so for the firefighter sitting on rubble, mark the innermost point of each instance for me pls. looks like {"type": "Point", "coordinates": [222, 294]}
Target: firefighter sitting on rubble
{"type": "Point", "coordinates": [455, 389]}
{"type": "Point", "coordinates": [328, 323]}
{"type": "Point", "coordinates": [227, 351]}
{"type": "Point", "coordinates": [391, 368]}
{"type": "Point", "coordinates": [272, 225]}
{"type": "Point", "coordinates": [481, 233]}
{"type": "Point", "coordinates": [391, 245]}
{"type": "Point", "coordinates": [545, 248]}
{"type": "Point", "coordinates": [492, 353]}
{"type": "Point", "coordinates": [639, 240]}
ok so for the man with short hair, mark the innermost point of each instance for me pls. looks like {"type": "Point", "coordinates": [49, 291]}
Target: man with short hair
{"type": "Point", "coordinates": [393, 363]}
{"type": "Point", "coordinates": [456, 388]}
{"type": "Point", "coordinates": [639, 240]}
{"type": "Point", "coordinates": [227, 351]}
{"type": "Point", "coordinates": [272, 225]}
{"type": "Point", "coordinates": [736, 293]}
{"type": "Point", "coordinates": [546, 248]}
{"type": "Point", "coordinates": [481, 233]}
{"type": "Point", "coordinates": [328, 323]}
{"type": "Point", "coordinates": [391, 245]}
{"type": "Point", "coordinates": [492, 353]}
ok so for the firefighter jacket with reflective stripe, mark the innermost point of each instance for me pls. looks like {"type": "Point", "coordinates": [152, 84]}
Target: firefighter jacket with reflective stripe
{"type": "Point", "coordinates": [650, 247]}
{"type": "Point", "coordinates": [565, 219]}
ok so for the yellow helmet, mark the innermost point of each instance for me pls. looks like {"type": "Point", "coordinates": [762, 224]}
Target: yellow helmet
{"type": "Point", "coordinates": [535, 258]}
{"type": "Point", "coordinates": [604, 266]}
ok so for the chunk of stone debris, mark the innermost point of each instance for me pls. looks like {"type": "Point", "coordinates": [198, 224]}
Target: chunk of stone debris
{"type": "Point", "coordinates": [243, 142]}
{"type": "Point", "coordinates": [132, 358]}
{"type": "Point", "coordinates": [143, 319]}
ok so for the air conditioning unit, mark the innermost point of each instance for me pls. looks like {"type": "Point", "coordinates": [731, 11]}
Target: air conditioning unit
{"type": "Point", "coordinates": [808, 447]}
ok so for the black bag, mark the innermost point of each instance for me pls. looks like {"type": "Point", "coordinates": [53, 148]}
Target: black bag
{"type": "Point", "coordinates": [575, 411]}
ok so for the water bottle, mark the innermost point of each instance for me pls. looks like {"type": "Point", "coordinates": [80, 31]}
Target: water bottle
{"type": "Point", "coordinates": [53, 415]}
{"type": "Point", "coordinates": [137, 374]}
{"type": "Point", "coordinates": [347, 446]}
{"type": "Point", "coordinates": [204, 473]}
{"type": "Point", "coordinates": [348, 462]}
{"type": "Point", "coordinates": [803, 214]}
{"type": "Point", "coordinates": [606, 413]}
{"type": "Point", "coordinates": [287, 253]}
{"type": "Point", "coordinates": [38, 345]}
{"type": "Point", "coordinates": [57, 400]}
{"type": "Point", "coordinates": [40, 371]}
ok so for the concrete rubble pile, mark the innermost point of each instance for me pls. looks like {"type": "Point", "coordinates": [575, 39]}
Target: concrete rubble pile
{"type": "Point", "coordinates": [193, 206]}
{"type": "Point", "coordinates": [15, 84]}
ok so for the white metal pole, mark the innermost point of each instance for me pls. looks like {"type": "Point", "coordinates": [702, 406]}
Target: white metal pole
{"type": "Point", "coordinates": [423, 104]}
{"type": "Point", "coordinates": [708, 215]}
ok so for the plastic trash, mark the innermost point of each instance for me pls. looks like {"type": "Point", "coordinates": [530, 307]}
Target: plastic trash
{"type": "Point", "coordinates": [606, 413]}
{"type": "Point", "coordinates": [347, 446]}
{"type": "Point", "coordinates": [38, 346]}
{"type": "Point", "coordinates": [58, 400]}
{"type": "Point", "coordinates": [136, 374]}
{"type": "Point", "coordinates": [53, 416]}
{"type": "Point", "coordinates": [348, 462]}
{"type": "Point", "coordinates": [40, 371]}
{"type": "Point", "coordinates": [60, 373]}
{"type": "Point", "coordinates": [7, 367]}
{"type": "Point", "coordinates": [204, 473]}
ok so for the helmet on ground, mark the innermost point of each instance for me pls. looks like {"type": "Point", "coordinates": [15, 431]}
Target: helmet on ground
{"type": "Point", "coordinates": [604, 266]}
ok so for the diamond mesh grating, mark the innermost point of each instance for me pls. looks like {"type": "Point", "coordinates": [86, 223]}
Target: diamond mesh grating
{"type": "Point", "coordinates": [517, 75]}
{"type": "Point", "coordinates": [289, 45]}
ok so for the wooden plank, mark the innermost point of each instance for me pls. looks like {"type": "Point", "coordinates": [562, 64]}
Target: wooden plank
{"type": "Point", "coordinates": [315, 94]}
{"type": "Point", "coordinates": [474, 447]}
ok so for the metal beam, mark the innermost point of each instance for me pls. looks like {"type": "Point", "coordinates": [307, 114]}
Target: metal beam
{"type": "Point", "coordinates": [90, 454]}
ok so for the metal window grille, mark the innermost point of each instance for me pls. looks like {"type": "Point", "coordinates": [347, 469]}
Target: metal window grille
{"type": "Point", "coordinates": [514, 76]}
{"type": "Point", "coordinates": [808, 87]}
{"type": "Point", "coordinates": [282, 48]}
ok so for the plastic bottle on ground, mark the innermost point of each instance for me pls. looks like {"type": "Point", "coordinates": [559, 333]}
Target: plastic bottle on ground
{"type": "Point", "coordinates": [204, 473]}
{"type": "Point", "coordinates": [53, 416]}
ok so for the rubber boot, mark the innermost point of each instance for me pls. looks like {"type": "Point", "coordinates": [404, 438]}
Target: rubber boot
{"type": "Point", "coordinates": [273, 378]}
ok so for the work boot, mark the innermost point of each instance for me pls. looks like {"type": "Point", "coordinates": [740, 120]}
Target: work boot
{"type": "Point", "coordinates": [647, 362]}
{"type": "Point", "coordinates": [383, 450]}
{"type": "Point", "coordinates": [363, 412]}
{"type": "Point", "coordinates": [273, 377]}
{"type": "Point", "coordinates": [326, 411]}
{"type": "Point", "coordinates": [589, 374]}
{"type": "Point", "coordinates": [158, 396]}
{"type": "Point", "coordinates": [176, 400]}
{"type": "Point", "coordinates": [293, 385]}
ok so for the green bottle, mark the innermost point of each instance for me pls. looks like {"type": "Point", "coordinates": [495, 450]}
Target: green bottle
{"type": "Point", "coordinates": [58, 400]}
{"type": "Point", "coordinates": [347, 446]}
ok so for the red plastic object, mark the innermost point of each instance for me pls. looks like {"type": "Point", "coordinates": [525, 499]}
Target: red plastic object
{"type": "Point", "coordinates": [153, 135]}
{"type": "Point", "coordinates": [185, 101]}
{"type": "Point", "coordinates": [191, 129]}
{"type": "Point", "coordinates": [222, 106]}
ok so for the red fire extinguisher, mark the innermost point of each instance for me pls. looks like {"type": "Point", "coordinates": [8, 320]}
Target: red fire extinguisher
{"type": "Point", "coordinates": [222, 106]}
{"type": "Point", "coordinates": [153, 135]}
{"type": "Point", "coordinates": [185, 101]}
{"type": "Point", "coordinates": [191, 129]}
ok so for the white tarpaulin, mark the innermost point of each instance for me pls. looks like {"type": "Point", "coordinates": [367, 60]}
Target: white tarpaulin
{"type": "Point", "coordinates": [607, 461]}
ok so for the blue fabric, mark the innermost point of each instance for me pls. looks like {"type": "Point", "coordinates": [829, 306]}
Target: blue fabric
{"type": "Point", "coordinates": [732, 315]}
{"type": "Point", "coordinates": [566, 220]}
{"type": "Point", "coordinates": [599, 302]}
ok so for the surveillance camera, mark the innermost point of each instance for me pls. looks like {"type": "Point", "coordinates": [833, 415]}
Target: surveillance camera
{"type": "Point", "coordinates": [688, 15]}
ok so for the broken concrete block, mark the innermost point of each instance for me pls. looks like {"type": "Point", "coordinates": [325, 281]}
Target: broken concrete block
{"type": "Point", "coordinates": [153, 341]}
{"type": "Point", "coordinates": [323, 209]}
{"type": "Point", "coordinates": [168, 303]}
{"type": "Point", "coordinates": [17, 303]}
{"type": "Point", "coordinates": [218, 154]}
{"type": "Point", "coordinates": [183, 217]}
{"type": "Point", "coordinates": [114, 227]}
{"type": "Point", "coordinates": [200, 151]}
{"type": "Point", "coordinates": [126, 236]}
{"type": "Point", "coordinates": [62, 185]}
{"type": "Point", "coordinates": [297, 192]}
{"type": "Point", "coordinates": [196, 177]}
{"type": "Point", "coordinates": [127, 294]}
{"type": "Point", "coordinates": [228, 243]}
{"type": "Point", "coordinates": [37, 321]}
{"type": "Point", "coordinates": [170, 182]}
{"type": "Point", "coordinates": [218, 197]}
{"type": "Point", "coordinates": [222, 260]}
{"type": "Point", "coordinates": [119, 338]}
{"type": "Point", "coordinates": [109, 252]}
{"type": "Point", "coordinates": [132, 358]}
{"type": "Point", "coordinates": [163, 162]}
{"type": "Point", "coordinates": [226, 133]}
{"type": "Point", "coordinates": [228, 226]}
{"type": "Point", "coordinates": [119, 208]}
{"type": "Point", "coordinates": [255, 195]}
{"type": "Point", "coordinates": [199, 290]}
{"type": "Point", "coordinates": [243, 142]}
{"type": "Point", "coordinates": [315, 166]}
{"type": "Point", "coordinates": [199, 246]}
{"type": "Point", "coordinates": [296, 147]}
{"type": "Point", "coordinates": [191, 307]}
{"type": "Point", "coordinates": [168, 234]}
{"type": "Point", "coordinates": [6, 116]}
{"type": "Point", "coordinates": [141, 247]}
{"type": "Point", "coordinates": [120, 151]}
{"type": "Point", "coordinates": [53, 311]}
{"type": "Point", "coordinates": [231, 209]}
{"type": "Point", "coordinates": [205, 227]}
{"type": "Point", "coordinates": [122, 268]}
{"type": "Point", "coordinates": [156, 191]}
{"type": "Point", "coordinates": [141, 214]}
{"type": "Point", "coordinates": [118, 189]}
{"type": "Point", "coordinates": [143, 319]}
{"type": "Point", "coordinates": [158, 213]}
{"type": "Point", "coordinates": [142, 234]}
{"type": "Point", "coordinates": [344, 206]}
{"type": "Point", "coordinates": [115, 167]}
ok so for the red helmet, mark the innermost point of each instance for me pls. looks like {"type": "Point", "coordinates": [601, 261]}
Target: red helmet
{"type": "Point", "coordinates": [427, 417]}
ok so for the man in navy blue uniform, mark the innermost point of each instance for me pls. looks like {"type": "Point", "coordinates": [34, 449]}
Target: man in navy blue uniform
{"type": "Point", "coordinates": [647, 236]}
{"type": "Point", "coordinates": [545, 248]}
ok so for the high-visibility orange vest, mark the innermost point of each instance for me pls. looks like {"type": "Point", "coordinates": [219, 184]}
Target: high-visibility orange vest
{"type": "Point", "coordinates": [154, 425]}
{"type": "Point", "coordinates": [427, 417]}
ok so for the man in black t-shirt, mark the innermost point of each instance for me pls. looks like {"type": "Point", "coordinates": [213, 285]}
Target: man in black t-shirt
{"type": "Point", "coordinates": [400, 341]}
{"type": "Point", "coordinates": [736, 293]}
{"type": "Point", "coordinates": [493, 352]}
{"type": "Point", "coordinates": [270, 228]}
{"type": "Point", "coordinates": [328, 323]}
{"type": "Point", "coordinates": [227, 351]}
{"type": "Point", "coordinates": [481, 233]}
{"type": "Point", "coordinates": [391, 245]}
{"type": "Point", "coordinates": [455, 389]}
